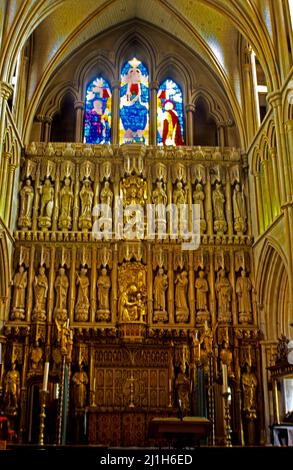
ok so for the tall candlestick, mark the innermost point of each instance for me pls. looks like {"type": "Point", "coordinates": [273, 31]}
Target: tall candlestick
{"type": "Point", "coordinates": [0, 353]}
{"type": "Point", "coordinates": [225, 378]}
{"type": "Point", "coordinates": [46, 375]}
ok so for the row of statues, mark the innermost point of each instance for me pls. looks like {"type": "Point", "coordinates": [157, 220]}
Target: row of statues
{"type": "Point", "coordinates": [159, 196]}
{"type": "Point", "coordinates": [132, 298]}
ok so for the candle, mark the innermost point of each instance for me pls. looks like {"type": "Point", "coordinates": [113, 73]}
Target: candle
{"type": "Point", "coordinates": [67, 324]}
{"type": "Point", "coordinates": [225, 378]}
{"type": "Point", "coordinates": [94, 384]}
{"type": "Point", "coordinates": [46, 375]}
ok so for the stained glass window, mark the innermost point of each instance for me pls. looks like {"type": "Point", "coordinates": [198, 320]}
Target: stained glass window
{"type": "Point", "coordinates": [134, 103]}
{"type": "Point", "coordinates": [97, 122]}
{"type": "Point", "coordinates": [170, 114]}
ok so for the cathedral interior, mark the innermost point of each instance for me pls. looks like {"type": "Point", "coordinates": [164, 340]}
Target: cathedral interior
{"type": "Point", "coordinates": [146, 219]}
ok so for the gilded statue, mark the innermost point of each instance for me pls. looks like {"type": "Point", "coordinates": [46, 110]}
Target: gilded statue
{"type": "Point", "coordinates": [243, 291]}
{"type": "Point", "coordinates": [220, 224]}
{"type": "Point", "coordinates": [61, 287]}
{"type": "Point", "coordinates": [207, 338]}
{"type": "Point", "coordinates": [182, 387]}
{"type": "Point", "coordinates": [226, 357]}
{"type": "Point", "coordinates": [79, 388]}
{"type": "Point", "coordinates": [249, 386]}
{"type": "Point", "coordinates": [104, 285]}
{"type": "Point", "coordinates": [181, 304]}
{"type": "Point", "coordinates": [26, 205]}
{"type": "Point", "coordinates": [160, 288]}
{"type": "Point", "coordinates": [18, 304]}
{"type": "Point", "coordinates": [86, 197]}
{"type": "Point", "coordinates": [47, 204]}
{"type": "Point", "coordinates": [223, 292]}
{"type": "Point", "coordinates": [159, 195]}
{"type": "Point", "coordinates": [202, 288]}
{"type": "Point", "coordinates": [36, 354]}
{"type": "Point", "coordinates": [12, 390]}
{"type": "Point", "coordinates": [82, 303]}
{"type": "Point", "coordinates": [41, 291]}
{"type": "Point", "coordinates": [132, 305]}
{"type": "Point", "coordinates": [198, 198]}
{"type": "Point", "coordinates": [106, 195]}
{"type": "Point", "coordinates": [66, 204]}
{"type": "Point", "coordinates": [239, 210]}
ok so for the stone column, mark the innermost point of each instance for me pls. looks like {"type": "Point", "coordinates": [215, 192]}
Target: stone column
{"type": "Point", "coordinates": [268, 198]}
{"type": "Point", "coordinates": [289, 132]}
{"type": "Point", "coordinates": [115, 111]}
{"type": "Point", "coordinates": [221, 135]}
{"type": "Point", "coordinates": [273, 155]}
{"type": "Point", "coordinates": [79, 108]}
{"type": "Point", "coordinates": [51, 293]}
{"type": "Point", "coordinates": [189, 109]}
{"type": "Point", "coordinates": [10, 186]}
{"type": "Point", "coordinates": [254, 89]}
{"type": "Point", "coordinates": [153, 112]}
{"type": "Point", "coordinates": [39, 126]}
{"type": "Point", "coordinates": [275, 100]}
{"type": "Point", "coordinates": [259, 204]}
{"type": "Point", "coordinates": [93, 285]}
{"type": "Point", "coordinates": [248, 94]}
{"type": "Point", "coordinates": [47, 128]}
{"type": "Point", "coordinates": [5, 91]}
{"type": "Point", "coordinates": [4, 175]}
{"type": "Point", "coordinates": [280, 37]}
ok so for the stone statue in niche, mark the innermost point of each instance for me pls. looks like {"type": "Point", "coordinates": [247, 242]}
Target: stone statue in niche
{"type": "Point", "coordinates": [104, 285]}
{"type": "Point", "coordinates": [223, 292]}
{"type": "Point", "coordinates": [79, 388]}
{"type": "Point", "coordinates": [26, 205]}
{"type": "Point", "coordinates": [243, 291]}
{"type": "Point", "coordinates": [36, 354]}
{"type": "Point", "coordinates": [18, 304]}
{"type": "Point", "coordinates": [182, 387]}
{"type": "Point", "coordinates": [226, 357]}
{"type": "Point", "coordinates": [106, 195]}
{"type": "Point", "coordinates": [159, 198]}
{"type": "Point", "coordinates": [86, 197]}
{"type": "Point", "coordinates": [160, 288]}
{"type": "Point", "coordinates": [181, 310]}
{"type": "Point", "coordinates": [202, 288]}
{"type": "Point", "coordinates": [12, 390]}
{"type": "Point", "coordinates": [41, 291]}
{"type": "Point", "coordinates": [180, 200]}
{"type": "Point", "coordinates": [198, 198]}
{"type": "Point", "coordinates": [220, 224]}
{"type": "Point", "coordinates": [249, 386]}
{"type": "Point", "coordinates": [159, 195]}
{"type": "Point", "coordinates": [82, 303]}
{"type": "Point", "coordinates": [61, 287]}
{"type": "Point", "coordinates": [239, 210]}
{"type": "Point", "coordinates": [66, 204]}
{"type": "Point", "coordinates": [47, 204]}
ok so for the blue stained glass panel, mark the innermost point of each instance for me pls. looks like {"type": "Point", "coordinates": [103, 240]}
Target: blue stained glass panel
{"type": "Point", "coordinates": [170, 114]}
{"type": "Point", "coordinates": [97, 121]}
{"type": "Point", "coordinates": [134, 103]}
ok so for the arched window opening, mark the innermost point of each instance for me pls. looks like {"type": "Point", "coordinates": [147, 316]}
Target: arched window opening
{"type": "Point", "coordinates": [205, 128]}
{"type": "Point", "coordinates": [134, 103]}
{"type": "Point", "coordinates": [97, 122]}
{"type": "Point", "coordinates": [63, 124]}
{"type": "Point", "coordinates": [170, 114]}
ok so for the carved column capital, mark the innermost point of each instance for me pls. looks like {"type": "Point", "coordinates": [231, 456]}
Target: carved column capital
{"type": "Point", "coordinates": [5, 90]}
{"type": "Point", "coordinates": [79, 105]}
{"type": "Point", "coordinates": [190, 108]}
{"type": "Point", "coordinates": [274, 98]}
